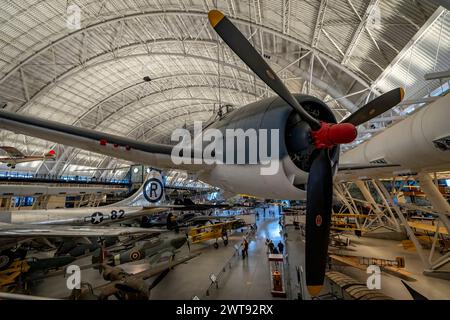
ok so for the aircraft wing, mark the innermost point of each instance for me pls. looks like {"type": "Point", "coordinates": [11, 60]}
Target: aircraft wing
{"type": "Point", "coordinates": [157, 155]}
{"type": "Point", "coordinates": [12, 152]}
{"type": "Point", "coordinates": [32, 231]}
{"type": "Point", "coordinates": [190, 207]}
{"type": "Point", "coordinates": [199, 207]}
{"type": "Point", "coordinates": [353, 171]}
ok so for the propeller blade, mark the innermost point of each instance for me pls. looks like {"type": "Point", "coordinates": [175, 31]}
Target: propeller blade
{"type": "Point", "coordinates": [376, 107]}
{"type": "Point", "coordinates": [248, 54]}
{"type": "Point", "coordinates": [414, 294]}
{"type": "Point", "coordinates": [159, 278]}
{"type": "Point", "coordinates": [318, 220]}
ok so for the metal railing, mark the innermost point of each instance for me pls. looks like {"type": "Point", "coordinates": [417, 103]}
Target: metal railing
{"type": "Point", "coordinates": [227, 266]}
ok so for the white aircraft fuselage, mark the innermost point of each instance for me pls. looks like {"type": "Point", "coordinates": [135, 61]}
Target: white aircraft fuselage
{"type": "Point", "coordinates": [72, 216]}
{"type": "Point", "coordinates": [419, 143]}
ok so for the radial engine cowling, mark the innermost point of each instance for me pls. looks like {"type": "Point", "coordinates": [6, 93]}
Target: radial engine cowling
{"type": "Point", "coordinates": [294, 145]}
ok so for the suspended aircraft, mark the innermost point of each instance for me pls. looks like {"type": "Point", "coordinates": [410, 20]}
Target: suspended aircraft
{"type": "Point", "coordinates": [15, 156]}
{"type": "Point", "coordinates": [308, 146]}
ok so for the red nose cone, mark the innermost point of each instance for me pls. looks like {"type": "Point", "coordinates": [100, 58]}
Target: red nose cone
{"type": "Point", "coordinates": [52, 152]}
{"type": "Point", "coordinates": [330, 135]}
{"type": "Point", "coordinates": [342, 133]}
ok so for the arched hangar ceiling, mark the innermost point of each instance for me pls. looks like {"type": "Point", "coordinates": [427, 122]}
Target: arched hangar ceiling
{"type": "Point", "coordinates": [91, 75]}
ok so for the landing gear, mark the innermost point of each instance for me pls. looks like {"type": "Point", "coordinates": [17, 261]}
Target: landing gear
{"type": "Point", "coordinates": [225, 237]}
{"type": "Point", "coordinates": [216, 245]}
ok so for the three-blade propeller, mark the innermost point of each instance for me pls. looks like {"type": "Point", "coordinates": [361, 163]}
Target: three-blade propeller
{"type": "Point", "coordinates": [240, 45]}
{"type": "Point", "coordinates": [324, 135]}
{"type": "Point", "coordinates": [375, 107]}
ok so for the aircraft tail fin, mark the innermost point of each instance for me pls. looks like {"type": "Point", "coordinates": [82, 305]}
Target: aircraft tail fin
{"type": "Point", "coordinates": [98, 258]}
{"type": "Point", "coordinates": [149, 194]}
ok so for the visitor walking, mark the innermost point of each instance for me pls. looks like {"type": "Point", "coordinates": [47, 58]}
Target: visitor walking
{"type": "Point", "coordinates": [280, 246]}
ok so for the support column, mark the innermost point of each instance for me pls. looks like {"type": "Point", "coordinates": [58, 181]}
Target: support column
{"type": "Point", "coordinates": [388, 227]}
{"type": "Point", "coordinates": [408, 229]}
{"type": "Point", "coordinates": [341, 197]}
{"type": "Point", "coordinates": [368, 196]}
{"type": "Point", "coordinates": [436, 198]}
{"type": "Point", "coordinates": [379, 186]}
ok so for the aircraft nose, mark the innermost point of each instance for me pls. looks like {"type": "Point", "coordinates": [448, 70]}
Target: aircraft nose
{"type": "Point", "coordinates": [178, 242]}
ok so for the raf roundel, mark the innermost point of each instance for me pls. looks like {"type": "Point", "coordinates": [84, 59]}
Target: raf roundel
{"type": "Point", "coordinates": [135, 255]}
{"type": "Point", "coordinates": [153, 190]}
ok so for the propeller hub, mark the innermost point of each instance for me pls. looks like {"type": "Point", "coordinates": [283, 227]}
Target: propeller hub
{"type": "Point", "coordinates": [331, 134]}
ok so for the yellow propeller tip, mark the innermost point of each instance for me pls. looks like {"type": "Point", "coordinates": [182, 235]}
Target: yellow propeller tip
{"type": "Point", "coordinates": [402, 93]}
{"type": "Point", "coordinates": [215, 16]}
{"type": "Point", "coordinates": [314, 290]}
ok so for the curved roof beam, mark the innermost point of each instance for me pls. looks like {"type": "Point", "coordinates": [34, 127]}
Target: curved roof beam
{"type": "Point", "coordinates": [167, 77]}
{"type": "Point", "coordinates": [140, 99]}
{"type": "Point", "coordinates": [176, 117]}
{"type": "Point", "coordinates": [328, 88]}
{"type": "Point", "coordinates": [85, 66]}
{"type": "Point", "coordinates": [245, 22]}
{"type": "Point", "coordinates": [148, 122]}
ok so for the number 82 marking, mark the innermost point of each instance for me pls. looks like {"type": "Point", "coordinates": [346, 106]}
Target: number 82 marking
{"type": "Point", "coordinates": [117, 215]}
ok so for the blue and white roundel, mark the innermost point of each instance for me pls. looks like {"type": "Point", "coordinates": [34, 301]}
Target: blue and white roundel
{"type": "Point", "coordinates": [153, 190]}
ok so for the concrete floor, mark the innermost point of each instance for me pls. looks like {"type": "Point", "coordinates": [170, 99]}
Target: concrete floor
{"type": "Point", "coordinates": [242, 279]}
{"type": "Point", "coordinates": [432, 288]}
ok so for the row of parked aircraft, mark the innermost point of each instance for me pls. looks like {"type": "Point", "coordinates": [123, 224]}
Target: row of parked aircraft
{"type": "Point", "coordinates": [79, 232]}
{"type": "Point", "coordinates": [309, 154]}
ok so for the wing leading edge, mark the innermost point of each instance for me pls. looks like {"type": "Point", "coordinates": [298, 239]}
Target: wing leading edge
{"type": "Point", "coordinates": [29, 231]}
{"type": "Point", "coordinates": [157, 155]}
{"type": "Point", "coordinates": [12, 152]}
{"type": "Point", "coordinates": [353, 171]}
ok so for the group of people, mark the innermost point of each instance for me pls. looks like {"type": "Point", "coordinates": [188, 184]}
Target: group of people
{"type": "Point", "coordinates": [278, 249]}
